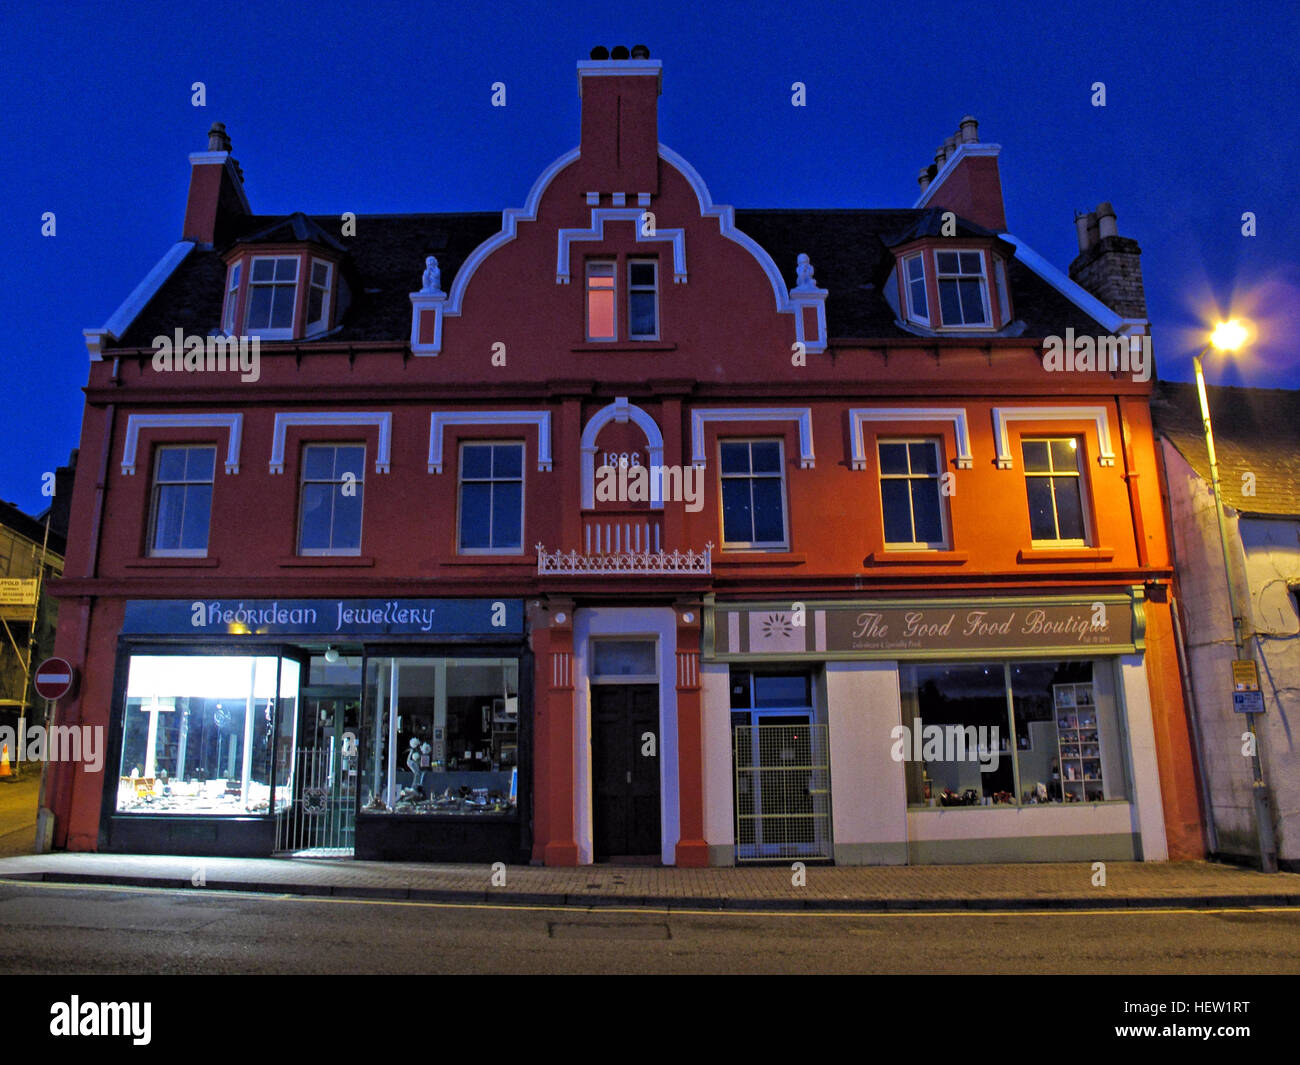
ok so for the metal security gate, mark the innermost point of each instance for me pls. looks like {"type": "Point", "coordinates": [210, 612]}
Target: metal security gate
{"type": "Point", "coordinates": [321, 818]}
{"type": "Point", "coordinates": [783, 791]}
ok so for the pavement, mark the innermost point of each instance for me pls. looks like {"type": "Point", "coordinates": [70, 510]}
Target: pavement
{"type": "Point", "coordinates": [1028, 886]}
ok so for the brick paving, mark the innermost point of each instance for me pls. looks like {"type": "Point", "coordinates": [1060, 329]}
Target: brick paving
{"type": "Point", "coordinates": [1019, 886]}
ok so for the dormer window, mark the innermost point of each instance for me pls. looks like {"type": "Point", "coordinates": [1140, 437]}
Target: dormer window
{"type": "Point", "coordinates": [272, 291]}
{"type": "Point", "coordinates": [963, 288]}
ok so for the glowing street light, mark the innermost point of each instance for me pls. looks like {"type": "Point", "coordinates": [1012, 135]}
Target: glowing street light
{"type": "Point", "coordinates": [1227, 337]}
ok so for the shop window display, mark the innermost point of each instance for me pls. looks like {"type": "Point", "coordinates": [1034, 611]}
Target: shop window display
{"type": "Point", "coordinates": [1058, 737]}
{"type": "Point", "coordinates": [442, 736]}
{"type": "Point", "coordinates": [197, 733]}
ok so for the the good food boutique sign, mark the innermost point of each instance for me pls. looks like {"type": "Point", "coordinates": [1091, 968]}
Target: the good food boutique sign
{"type": "Point", "coordinates": [948, 628]}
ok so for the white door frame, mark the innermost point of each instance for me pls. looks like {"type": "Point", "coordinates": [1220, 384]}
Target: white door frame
{"type": "Point", "coordinates": [647, 623]}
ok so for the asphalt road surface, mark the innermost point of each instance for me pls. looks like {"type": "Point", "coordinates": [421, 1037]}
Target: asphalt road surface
{"type": "Point", "coordinates": [76, 929]}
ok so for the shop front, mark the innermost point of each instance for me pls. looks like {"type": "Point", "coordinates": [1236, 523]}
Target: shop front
{"type": "Point", "coordinates": [385, 729]}
{"type": "Point", "coordinates": [931, 731]}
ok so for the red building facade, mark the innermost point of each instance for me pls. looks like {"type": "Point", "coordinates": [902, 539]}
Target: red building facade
{"type": "Point", "coordinates": [622, 525]}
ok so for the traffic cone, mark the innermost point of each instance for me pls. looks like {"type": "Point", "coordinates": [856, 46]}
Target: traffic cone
{"type": "Point", "coordinates": [4, 761]}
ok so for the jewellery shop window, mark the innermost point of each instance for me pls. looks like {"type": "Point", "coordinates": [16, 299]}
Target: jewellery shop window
{"type": "Point", "coordinates": [1018, 733]}
{"type": "Point", "coordinates": [197, 733]}
{"type": "Point", "coordinates": [442, 736]}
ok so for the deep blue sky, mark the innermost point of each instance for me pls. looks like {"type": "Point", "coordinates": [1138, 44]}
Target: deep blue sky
{"type": "Point", "coordinates": [380, 107]}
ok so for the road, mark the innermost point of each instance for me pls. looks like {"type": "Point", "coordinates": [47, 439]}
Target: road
{"type": "Point", "coordinates": [101, 930]}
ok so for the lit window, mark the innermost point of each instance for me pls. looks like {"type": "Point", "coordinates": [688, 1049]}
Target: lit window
{"type": "Point", "coordinates": [753, 494]}
{"type": "Point", "coordinates": [909, 494]}
{"type": "Point", "coordinates": [333, 477]}
{"type": "Point", "coordinates": [642, 300]}
{"type": "Point", "coordinates": [232, 299]}
{"type": "Point", "coordinates": [182, 501]}
{"type": "Point", "coordinates": [272, 291]}
{"type": "Point", "coordinates": [318, 297]}
{"type": "Point", "coordinates": [491, 498]}
{"type": "Point", "coordinates": [600, 301]}
{"type": "Point", "coordinates": [1055, 490]}
{"type": "Point", "coordinates": [917, 303]}
{"type": "Point", "coordinates": [963, 299]}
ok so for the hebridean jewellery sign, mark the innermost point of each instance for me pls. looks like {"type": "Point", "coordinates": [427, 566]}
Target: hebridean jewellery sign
{"type": "Point", "coordinates": [951, 628]}
{"type": "Point", "coordinates": [319, 617]}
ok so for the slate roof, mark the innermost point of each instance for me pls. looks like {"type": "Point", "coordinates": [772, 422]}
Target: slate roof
{"type": "Point", "coordinates": [849, 250]}
{"type": "Point", "coordinates": [1256, 430]}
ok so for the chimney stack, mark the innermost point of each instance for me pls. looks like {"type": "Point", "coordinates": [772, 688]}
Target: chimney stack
{"type": "Point", "coordinates": [216, 191]}
{"type": "Point", "coordinates": [970, 185]}
{"type": "Point", "coordinates": [620, 124]}
{"type": "Point", "coordinates": [1108, 265]}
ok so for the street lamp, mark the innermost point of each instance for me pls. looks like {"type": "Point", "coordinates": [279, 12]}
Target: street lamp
{"type": "Point", "coordinates": [1230, 336]}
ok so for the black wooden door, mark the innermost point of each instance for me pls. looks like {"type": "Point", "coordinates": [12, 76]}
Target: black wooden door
{"type": "Point", "coordinates": [625, 769]}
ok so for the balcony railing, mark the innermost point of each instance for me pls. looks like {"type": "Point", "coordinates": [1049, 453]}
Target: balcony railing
{"type": "Point", "coordinates": [623, 543]}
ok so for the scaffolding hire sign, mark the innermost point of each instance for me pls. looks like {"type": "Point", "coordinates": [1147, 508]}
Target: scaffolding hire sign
{"type": "Point", "coordinates": [17, 591]}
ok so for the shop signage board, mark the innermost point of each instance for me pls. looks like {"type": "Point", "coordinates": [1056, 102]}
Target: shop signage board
{"type": "Point", "coordinates": [17, 591]}
{"type": "Point", "coordinates": [897, 629]}
{"type": "Point", "coordinates": [324, 617]}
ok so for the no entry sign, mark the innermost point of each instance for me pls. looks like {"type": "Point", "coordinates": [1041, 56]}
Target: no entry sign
{"type": "Point", "coordinates": [53, 678]}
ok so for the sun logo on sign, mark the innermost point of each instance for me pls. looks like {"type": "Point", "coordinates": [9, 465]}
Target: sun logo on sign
{"type": "Point", "coordinates": [777, 625]}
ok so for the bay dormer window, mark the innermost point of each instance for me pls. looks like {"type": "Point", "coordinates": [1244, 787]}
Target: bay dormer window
{"type": "Point", "coordinates": [946, 289]}
{"type": "Point", "coordinates": [282, 293]}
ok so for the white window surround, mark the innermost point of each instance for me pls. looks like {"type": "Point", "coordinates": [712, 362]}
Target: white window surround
{"type": "Point", "coordinates": [802, 415]}
{"type": "Point", "coordinates": [1002, 416]}
{"type": "Point", "coordinates": [233, 423]}
{"type": "Point", "coordinates": [858, 416]}
{"type": "Point", "coordinates": [601, 215]}
{"type": "Point", "coordinates": [620, 411]}
{"type": "Point", "coordinates": [381, 420]}
{"type": "Point", "coordinates": [439, 420]}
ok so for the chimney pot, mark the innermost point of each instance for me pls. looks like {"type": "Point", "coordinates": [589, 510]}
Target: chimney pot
{"type": "Point", "coordinates": [600, 52]}
{"type": "Point", "coordinates": [1106, 226]}
{"type": "Point", "coordinates": [640, 51]}
{"type": "Point", "coordinates": [619, 52]}
{"type": "Point", "coordinates": [970, 130]}
{"type": "Point", "coordinates": [949, 147]}
{"type": "Point", "coordinates": [923, 178]}
{"type": "Point", "coordinates": [217, 139]}
{"type": "Point", "coordinates": [1081, 222]}
{"type": "Point", "coordinates": [939, 157]}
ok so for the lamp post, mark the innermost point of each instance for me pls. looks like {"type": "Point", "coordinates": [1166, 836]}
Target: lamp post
{"type": "Point", "coordinates": [1229, 336]}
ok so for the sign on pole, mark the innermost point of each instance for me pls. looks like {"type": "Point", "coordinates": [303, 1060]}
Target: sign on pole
{"type": "Point", "coordinates": [1245, 675]}
{"type": "Point", "coordinates": [1248, 702]}
{"type": "Point", "coordinates": [53, 678]}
